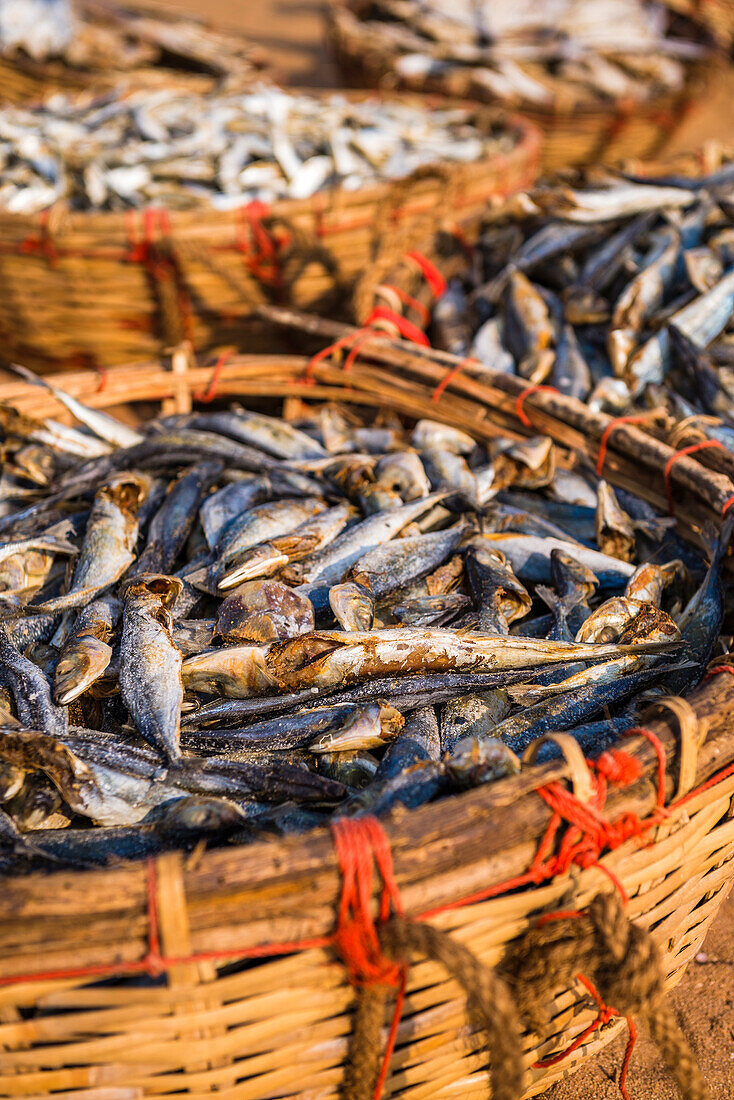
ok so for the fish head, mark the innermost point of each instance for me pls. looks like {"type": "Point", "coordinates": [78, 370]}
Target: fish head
{"type": "Point", "coordinates": [127, 491]}
{"type": "Point", "coordinates": [651, 624]}
{"type": "Point", "coordinates": [403, 473]}
{"type": "Point", "coordinates": [609, 620]}
{"type": "Point", "coordinates": [530, 464]}
{"type": "Point", "coordinates": [571, 575]}
{"type": "Point", "coordinates": [239, 670]}
{"type": "Point", "coordinates": [478, 760]}
{"type": "Point", "coordinates": [79, 667]}
{"type": "Point", "coordinates": [352, 604]}
{"type": "Point", "coordinates": [197, 813]}
{"type": "Point", "coordinates": [152, 586]}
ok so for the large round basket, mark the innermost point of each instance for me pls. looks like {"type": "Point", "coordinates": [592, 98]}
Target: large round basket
{"type": "Point", "coordinates": [214, 973]}
{"type": "Point", "coordinates": [585, 133]}
{"type": "Point", "coordinates": [136, 48]}
{"type": "Point", "coordinates": [95, 289]}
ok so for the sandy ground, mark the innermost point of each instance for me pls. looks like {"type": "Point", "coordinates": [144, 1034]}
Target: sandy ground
{"type": "Point", "coordinates": [292, 31]}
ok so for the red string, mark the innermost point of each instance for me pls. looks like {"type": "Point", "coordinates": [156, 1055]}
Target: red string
{"type": "Point", "coordinates": [43, 244]}
{"type": "Point", "coordinates": [313, 362]}
{"type": "Point", "coordinates": [660, 753]}
{"type": "Point", "coordinates": [429, 271]}
{"type": "Point", "coordinates": [449, 377]}
{"type": "Point", "coordinates": [360, 843]}
{"type": "Point", "coordinates": [604, 1014]}
{"type": "Point", "coordinates": [156, 223]}
{"type": "Point", "coordinates": [104, 377]}
{"type": "Point", "coordinates": [406, 328]}
{"type": "Point", "coordinates": [363, 337]}
{"type": "Point", "coordinates": [520, 413]}
{"type": "Point", "coordinates": [608, 431]}
{"type": "Point", "coordinates": [357, 339]}
{"type": "Point", "coordinates": [679, 454]}
{"type": "Point", "coordinates": [408, 300]}
{"type": "Point", "coordinates": [632, 1039]}
{"type": "Point", "coordinates": [618, 767]}
{"type": "Point", "coordinates": [727, 505]}
{"type": "Point", "coordinates": [392, 1035]}
{"type": "Point", "coordinates": [207, 395]}
{"type": "Point", "coordinates": [717, 669]}
{"type": "Point", "coordinates": [559, 914]}
{"type": "Point", "coordinates": [263, 261]}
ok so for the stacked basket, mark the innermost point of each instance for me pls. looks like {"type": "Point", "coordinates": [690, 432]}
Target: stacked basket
{"type": "Point", "coordinates": [576, 130]}
{"type": "Point", "coordinates": [95, 289]}
{"type": "Point", "coordinates": [113, 45]}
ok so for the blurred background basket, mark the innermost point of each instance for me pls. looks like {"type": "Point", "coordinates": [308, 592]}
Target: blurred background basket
{"type": "Point", "coordinates": [116, 46]}
{"type": "Point", "coordinates": [717, 15]}
{"type": "Point", "coordinates": [213, 973]}
{"type": "Point", "coordinates": [581, 133]}
{"type": "Point", "coordinates": [96, 289]}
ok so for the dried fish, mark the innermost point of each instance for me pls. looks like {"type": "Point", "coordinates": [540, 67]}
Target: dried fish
{"type": "Point", "coordinates": [221, 150]}
{"type": "Point", "coordinates": [226, 655]}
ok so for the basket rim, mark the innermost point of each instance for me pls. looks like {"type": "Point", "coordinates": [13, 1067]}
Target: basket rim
{"type": "Point", "coordinates": [58, 219]}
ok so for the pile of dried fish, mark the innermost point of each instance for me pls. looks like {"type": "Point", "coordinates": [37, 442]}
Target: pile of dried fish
{"type": "Point", "coordinates": [223, 150]}
{"type": "Point", "coordinates": [85, 39]}
{"type": "Point", "coordinates": [538, 55]}
{"type": "Point", "coordinates": [617, 291]}
{"type": "Point", "coordinates": [225, 624]}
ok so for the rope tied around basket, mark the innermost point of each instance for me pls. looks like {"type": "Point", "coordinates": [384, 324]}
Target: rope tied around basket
{"type": "Point", "coordinates": [377, 957]}
{"type": "Point", "coordinates": [382, 322]}
{"type": "Point", "coordinates": [609, 954]}
{"type": "Point", "coordinates": [154, 250]}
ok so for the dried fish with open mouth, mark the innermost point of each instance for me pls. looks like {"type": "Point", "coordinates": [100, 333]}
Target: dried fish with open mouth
{"type": "Point", "coordinates": [228, 654]}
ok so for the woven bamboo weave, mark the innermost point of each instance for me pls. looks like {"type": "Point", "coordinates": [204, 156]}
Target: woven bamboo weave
{"type": "Point", "coordinates": [97, 289]}
{"type": "Point", "coordinates": [584, 133]}
{"type": "Point", "coordinates": [158, 979]}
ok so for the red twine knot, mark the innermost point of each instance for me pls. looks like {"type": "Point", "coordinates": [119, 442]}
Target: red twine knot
{"type": "Point", "coordinates": [361, 845]}
{"type": "Point", "coordinates": [618, 767]}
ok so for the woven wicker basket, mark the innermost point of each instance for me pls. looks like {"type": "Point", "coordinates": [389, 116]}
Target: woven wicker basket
{"type": "Point", "coordinates": [225, 1013]}
{"type": "Point", "coordinates": [95, 289]}
{"type": "Point", "coordinates": [582, 134]}
{"type": "Point", "coordinates": [134, 48]}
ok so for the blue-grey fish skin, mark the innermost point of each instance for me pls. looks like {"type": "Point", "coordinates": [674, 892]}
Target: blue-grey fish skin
{"type": "Point", "coordinates": [150, 671]}
{"type": "Point", "coordinates": [570, 709]}
{"type": "Point", "coordinates": [31, 690]}
{"type": "Point", "coordinates": [419, 740]}
{"type": "Point", "coordinates": [701, 621]}
{"type": "Point", "coordinates": [171, 525]}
